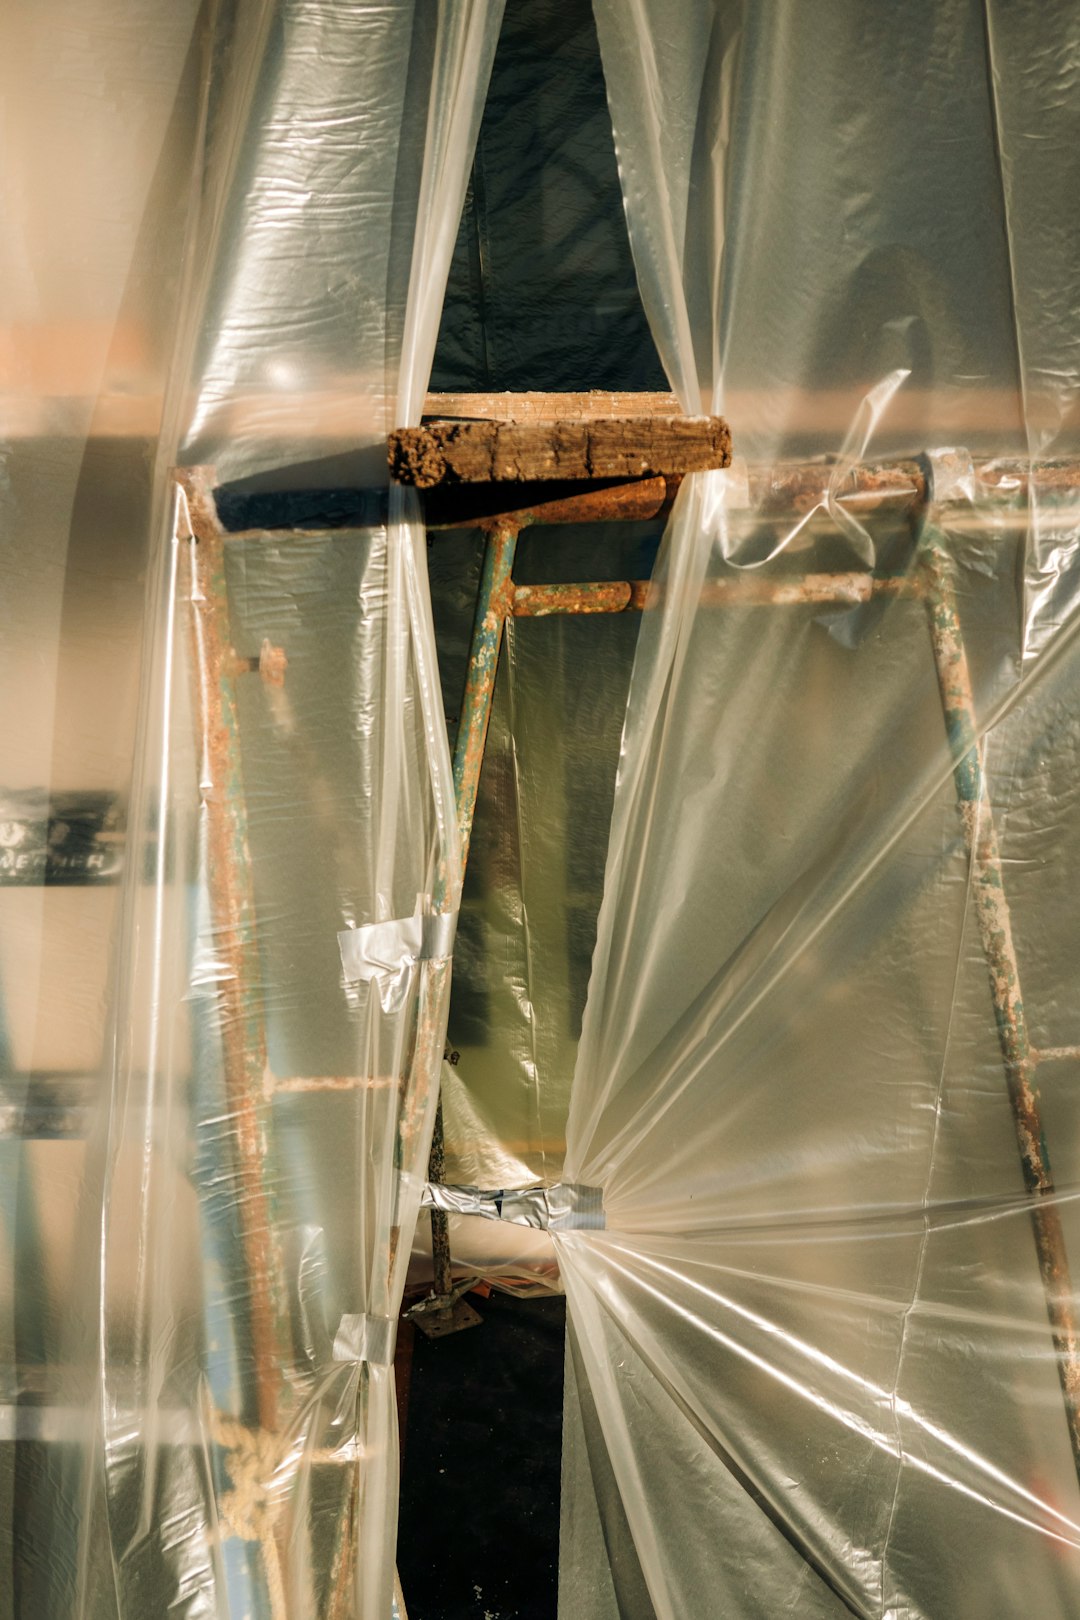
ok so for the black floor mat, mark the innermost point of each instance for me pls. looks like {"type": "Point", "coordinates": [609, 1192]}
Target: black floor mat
{"type": "Point", "coordinates": [479, 1526]}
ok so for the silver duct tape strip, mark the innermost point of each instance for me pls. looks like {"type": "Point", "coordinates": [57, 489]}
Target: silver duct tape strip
{"type": "Point", "coordinates": [566, 1207]}
{"type": "Point", "coordinates": [438, 940]}
{"type": "Point", "coordinates": [385, 953]}
{"type": "Point", "coordinates": [387, 947]}
{"type": "Point", "coordinates": [366, 1338]}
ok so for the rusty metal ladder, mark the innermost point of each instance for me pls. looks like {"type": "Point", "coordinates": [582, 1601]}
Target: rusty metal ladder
{"type": "Point", "coordinates": [907, 484]}
{"type": "Point", "coordinates": [897, 486]}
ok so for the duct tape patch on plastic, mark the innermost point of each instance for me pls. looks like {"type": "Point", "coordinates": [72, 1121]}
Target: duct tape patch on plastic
{"type": "Point", "coordinates": [566, 1207]}
{"type": "Point", "coordinates": [384, 954]}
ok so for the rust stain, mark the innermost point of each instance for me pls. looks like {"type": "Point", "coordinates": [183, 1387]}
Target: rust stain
{"type": "Point", "coordinates": [334, 1082]}
{"type": "Point", "coordinates": [233, 920]}
{"type": "Point", "coordinates": [635, 501]}
{"type": "Point", "coordinates": [538, 601]}
{"type": "Point", "coordinates": [621, 596]}
{"type": "Point", "coordinates": [272, 663]}
{"type": "Point", "coordinates": [801, 489]}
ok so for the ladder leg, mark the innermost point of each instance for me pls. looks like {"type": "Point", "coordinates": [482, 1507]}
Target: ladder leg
{"type": "Point", "coordinates": [494, 605]}
{"type": "Point", "coordinates": [240, 1013]}
{"type": "Point", "coordinates": [995, 934]}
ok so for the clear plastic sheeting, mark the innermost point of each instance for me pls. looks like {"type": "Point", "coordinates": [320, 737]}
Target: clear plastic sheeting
{"type": "Point", "coordinates": [531, 894]}
{"type": "Point", "coordinates": [229, 240]}
{"type": "Point", "coordinates": [823, 1358]}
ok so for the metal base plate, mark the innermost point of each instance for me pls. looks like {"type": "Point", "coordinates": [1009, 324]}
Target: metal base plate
{"type": "Point", "coordinates": [455, 1318]}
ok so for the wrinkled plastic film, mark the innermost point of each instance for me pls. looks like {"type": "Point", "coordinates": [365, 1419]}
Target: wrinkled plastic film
{"type": "Point", "coordinates": [260, 1129]}
{"type": "Point", "coordinates": [98, 137]}
{"type": "Point", "coordinates": [822, 1343]}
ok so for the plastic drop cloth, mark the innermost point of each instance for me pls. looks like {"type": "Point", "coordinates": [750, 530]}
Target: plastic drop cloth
{"type": "Point", "coordinates": [810, 1362]}
{"type": "Point", "coordinates": [228, 232]}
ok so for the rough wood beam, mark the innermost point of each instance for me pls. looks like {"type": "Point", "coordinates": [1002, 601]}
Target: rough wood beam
{"type": "Point", "coordinates": [483, 452]}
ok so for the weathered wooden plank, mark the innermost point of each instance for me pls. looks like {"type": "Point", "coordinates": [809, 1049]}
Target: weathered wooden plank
{"type": "Point", "coordinates": [547, 407]}
{"type": "Point", "coordinates": [499, 452]}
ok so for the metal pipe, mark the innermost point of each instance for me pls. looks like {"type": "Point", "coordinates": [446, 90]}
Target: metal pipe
{"type": "Point", "coordinates": [492, 506]}
{"type": "Point", "coordinates": [493, 605]}
{"type": "Point", "coordinates": [443, 1276]}
{"type": "Point", "coordinates": [777, 493]}
{"type": "Point", "coordinates": [995, 933]}
{"type": "Point", "coordinates": [747, 590]}
{"type": "Point", "coordinates": [611, 596]}
{"type": "Point", "coordinates": [232, 905]}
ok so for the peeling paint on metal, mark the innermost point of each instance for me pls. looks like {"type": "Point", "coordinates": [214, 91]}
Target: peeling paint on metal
{"type": "Point", "coordinates": [621, 596]}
